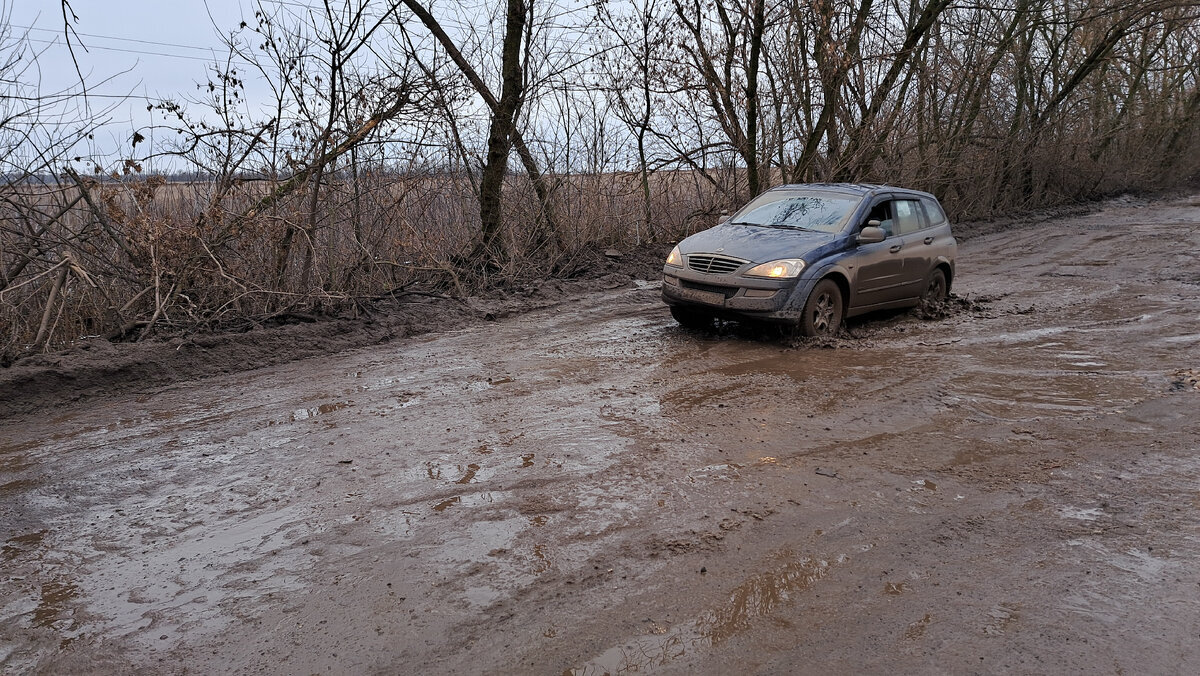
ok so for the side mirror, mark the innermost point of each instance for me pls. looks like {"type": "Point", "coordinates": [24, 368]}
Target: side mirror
{"type": "Point", "coordinates": [724, 216]}
{"type": "Point", "coordinates": [872, 234]}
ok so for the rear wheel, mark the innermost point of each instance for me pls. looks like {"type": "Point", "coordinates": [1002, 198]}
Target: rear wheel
{"type": "Point", "coordinates": [823, 310]}
{"type": "Point", "coordinates": [935, 288]}
{"type": "Point", "coordinates": [691, 318]}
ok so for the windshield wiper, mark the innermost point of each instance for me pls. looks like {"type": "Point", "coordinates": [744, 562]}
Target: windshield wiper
{"type": "Point", "coordinates": [778, 226]}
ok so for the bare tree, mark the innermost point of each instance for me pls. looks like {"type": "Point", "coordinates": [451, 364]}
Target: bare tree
{"type": "Point", "coordinates": [727, 70]}
{"type": "Point", "coordinates": [631, 60]}
{"type": "Point", "coordinates": [504, 134]}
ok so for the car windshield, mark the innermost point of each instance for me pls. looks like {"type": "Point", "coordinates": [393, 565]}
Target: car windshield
{"type": "Point", "coordinates": [822, 212]}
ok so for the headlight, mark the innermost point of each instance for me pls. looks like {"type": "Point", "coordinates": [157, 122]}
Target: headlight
{"type": "Point", "coordinates": [784, 269]}
{"type": "Point", "coordinates": [675, 259]}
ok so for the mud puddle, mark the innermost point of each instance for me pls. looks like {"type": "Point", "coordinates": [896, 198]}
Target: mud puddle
{"type": "Point", "coordinates": [747, 604]}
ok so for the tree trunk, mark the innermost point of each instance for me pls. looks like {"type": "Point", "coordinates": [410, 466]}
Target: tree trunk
{"type": "Point", "coordinates": [540, 185]}
{"type": "Point", "coordinates": [750, 150]}
{"type": "Point", "coordinates": [500, 136]}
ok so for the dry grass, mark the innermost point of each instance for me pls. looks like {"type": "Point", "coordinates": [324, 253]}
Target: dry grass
{"type": "Point", "coordinates": [161, 257]}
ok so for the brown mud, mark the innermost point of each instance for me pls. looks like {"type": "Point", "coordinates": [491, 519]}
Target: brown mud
{"type": "Point", "coordinates": [1011, 484]}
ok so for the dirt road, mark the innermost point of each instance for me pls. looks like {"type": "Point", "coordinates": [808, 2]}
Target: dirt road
{"type": "Point", "coordinates": [590, 489]}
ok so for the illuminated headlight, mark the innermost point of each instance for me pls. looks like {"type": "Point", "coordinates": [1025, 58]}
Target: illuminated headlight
{"type": "Point", "coordinates": [675, 259]}
{"type": "Point", "coordinates": [784, 269]}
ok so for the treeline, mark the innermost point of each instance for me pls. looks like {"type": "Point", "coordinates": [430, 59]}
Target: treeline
{"type": "Point", "coordinates": [454, 145]}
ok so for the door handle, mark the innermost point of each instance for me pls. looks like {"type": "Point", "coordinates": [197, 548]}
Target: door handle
{"type": "Point", "coordinates": [896, 248]}
{"type": "Point", "coordinates": [929, 240]}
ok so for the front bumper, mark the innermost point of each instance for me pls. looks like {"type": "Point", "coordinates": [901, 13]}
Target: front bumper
{"type": "Point", "coordinates": [731, 295]}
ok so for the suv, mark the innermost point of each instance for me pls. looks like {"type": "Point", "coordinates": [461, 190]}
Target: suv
{"type": "Point", "coordinates": [812, 255]}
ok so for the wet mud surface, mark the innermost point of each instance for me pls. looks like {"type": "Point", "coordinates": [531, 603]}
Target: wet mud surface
{"type": "Point", "coordinates": [1009, 484]}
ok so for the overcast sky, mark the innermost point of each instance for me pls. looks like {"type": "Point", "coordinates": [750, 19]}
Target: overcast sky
{"type": "Point", "coordinates": [148, 48]}
{"type": "Point", "coordinates": [163, 44]}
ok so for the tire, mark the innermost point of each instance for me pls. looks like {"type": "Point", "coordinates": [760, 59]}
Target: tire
{"type": "Point", "coordinates": [691, 318]}
{"type": "Point", "coordinates": [823, 310]}
{"type": "Point", "coordinates": [936, 289]}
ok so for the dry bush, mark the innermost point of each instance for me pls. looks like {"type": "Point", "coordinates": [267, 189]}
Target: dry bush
{"type": "Point", "coordinates": [156, 256]}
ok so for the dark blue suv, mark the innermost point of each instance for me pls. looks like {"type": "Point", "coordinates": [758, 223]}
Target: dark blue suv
{"type": "Point", "coordinates": [812, 255]}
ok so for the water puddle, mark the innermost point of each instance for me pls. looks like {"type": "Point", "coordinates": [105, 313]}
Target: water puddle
{"type": "Point", "coordinates": [1175, 340]}
{"type": "Point", "coordinates": [826, 365]}
{"type": "Point", "coordinates": [757, 597]}
{"type": "Point", "coordinates": [1080, 513]}
{"type": "Point", "coordinates": [464, 547]}
{"type": "Point", "coordinates": [323, 409]}
{"type": "Point", "coordinates": [139, 594]}
{"type": "Point", "coordinates": [1018, 336]}
{"type": "Point", "coordinates": [1020, 397]}
{"type": "Point", "coordinates": [722, 472]}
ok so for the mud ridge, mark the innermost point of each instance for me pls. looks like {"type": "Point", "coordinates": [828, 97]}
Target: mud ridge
{"type": "Point", "coordinates": [94, 366]}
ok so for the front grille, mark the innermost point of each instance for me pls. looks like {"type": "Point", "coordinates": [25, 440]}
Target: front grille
{"type": "Point", "coordinates": [727, 291]}
{"type": "Point", "coordinates": [714, 263]}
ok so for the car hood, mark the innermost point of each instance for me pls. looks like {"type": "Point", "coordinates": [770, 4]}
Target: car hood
{"type": "Point", "coordinates": [758, 244]}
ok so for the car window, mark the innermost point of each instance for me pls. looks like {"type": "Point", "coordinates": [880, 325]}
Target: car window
{"type": "Point", "coordinates": [934, 211]}
{"type": "Point", "coordinates": [799, 210]}
{"type": "Point", "coordinates": [882, 212]}
{"type": "Point", "coordinates": [908, 215]}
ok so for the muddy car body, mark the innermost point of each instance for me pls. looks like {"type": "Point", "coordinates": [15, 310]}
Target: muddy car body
{"type": "Point", "coordinates": [812, 255]}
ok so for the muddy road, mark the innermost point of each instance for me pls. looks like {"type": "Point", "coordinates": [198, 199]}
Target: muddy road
{"type": "Point", "coordinates": [590, 489]}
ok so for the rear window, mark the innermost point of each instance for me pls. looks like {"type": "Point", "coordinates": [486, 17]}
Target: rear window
{"type": "Point", "coordinates": [934, 211]}
{"type": "Point", "coordinates": [823, 212]}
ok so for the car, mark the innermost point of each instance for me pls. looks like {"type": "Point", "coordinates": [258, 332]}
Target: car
{"type": "Point", "coordinates": [811, 255]}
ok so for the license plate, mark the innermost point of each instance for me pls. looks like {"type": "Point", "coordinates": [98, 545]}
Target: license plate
{"type": "Point", "coordinates": [706, 297]}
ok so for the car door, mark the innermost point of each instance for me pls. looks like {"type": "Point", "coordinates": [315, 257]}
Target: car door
{"type": "Point", "coordinates": [911, 226]}
{"type": "Point", "coordinates": [879, 267]}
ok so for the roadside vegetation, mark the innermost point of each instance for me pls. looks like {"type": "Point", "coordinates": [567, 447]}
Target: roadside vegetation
{"type": "Point", "coordinates": [418, 148]}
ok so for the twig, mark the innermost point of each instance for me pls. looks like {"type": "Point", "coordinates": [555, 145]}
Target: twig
{"type": "Point", "coordinates": [62, 263]}
{"type": "Point", "coordinates": [8, 275]}
{"type": "Point", "coordinates": [79, 271]}
{"type": "Point", "coordinates": [125, 307]}
{"type": "Point", "coordinates": [101, 218]}
{"type": "Point", "coordinates": [42, 337]}
{"type": "Point", "coordinates": [161, 306]}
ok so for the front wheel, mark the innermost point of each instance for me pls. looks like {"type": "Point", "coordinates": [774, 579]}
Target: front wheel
{"type": "Point", "coordinates": [823, 310]}
{"type": "Point", "coordinates": [691, 318]}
